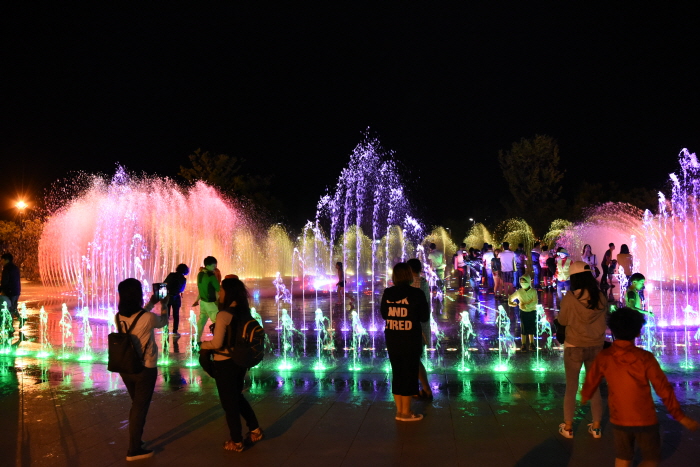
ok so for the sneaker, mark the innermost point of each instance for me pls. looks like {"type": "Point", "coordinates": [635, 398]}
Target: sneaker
{"type": "Point", "coordinates": [254, 436]}
{"type": "Point", "coordinates": [410, 417]}
{"type": "Point", "coordinates": [523, 348]}
{"type": "Point", "coordinates": [139, 454]}
{"type": "Point", "coordinates": [533, 348]}
{"type": "Point", "coordinates": [595, 432]}
{"type": "Point", "coordinates": [564, 432]}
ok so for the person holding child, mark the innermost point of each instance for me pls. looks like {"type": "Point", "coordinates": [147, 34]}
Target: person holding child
{"type": "Point", "coordinates": [527, 302]}
{"type": "Point", "coordinates": [629, 371]}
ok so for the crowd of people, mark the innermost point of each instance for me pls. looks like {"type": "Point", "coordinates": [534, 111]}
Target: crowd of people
{"type": "Point", "coordinates": [584, 316]}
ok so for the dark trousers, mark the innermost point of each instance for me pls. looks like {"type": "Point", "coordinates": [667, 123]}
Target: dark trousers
{"type": "Point", "coordinates": [13, 306]}
{"type": "Point", "coordinates": [229, 383]}
{"type": "Point", "coordinates": [174, 304]}
{"type": "Point", "coordinates": [535, 274]}
{"type": "Point", "coordinates": [604, 278]}
{"type": "Point", "coordinates": [140, 387]}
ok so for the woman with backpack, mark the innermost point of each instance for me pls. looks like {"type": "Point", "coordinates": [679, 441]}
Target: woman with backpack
{"type": "Point", "coordinates": [135, 319]}
{"type": "Point", "coordinates": [235, 312]}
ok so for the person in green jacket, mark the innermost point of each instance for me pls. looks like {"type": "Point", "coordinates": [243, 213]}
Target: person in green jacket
{"type": "Point", "coordinates": [208, 284]}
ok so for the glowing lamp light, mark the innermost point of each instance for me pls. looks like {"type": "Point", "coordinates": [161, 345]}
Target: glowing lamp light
{"type": "Point", "coordinates": [21, 205]}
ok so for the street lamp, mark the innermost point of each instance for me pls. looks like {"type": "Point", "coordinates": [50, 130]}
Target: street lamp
{"type": "Point", "coordinates": [21, 206]}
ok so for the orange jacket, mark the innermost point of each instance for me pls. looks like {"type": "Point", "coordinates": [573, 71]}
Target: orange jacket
{"type": "Point", "coordinates": [628, 371]}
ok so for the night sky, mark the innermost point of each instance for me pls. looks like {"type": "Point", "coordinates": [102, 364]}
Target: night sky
{"type": "Point", "coordinates": [293, 89]}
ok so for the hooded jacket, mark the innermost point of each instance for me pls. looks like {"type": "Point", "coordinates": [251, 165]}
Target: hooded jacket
{"type": "Point", "coordinates": [628, 371]}
{"type": "Point", "coordinates": [527, 299]}
{"type": "Point", "coordinates": [584, 327]}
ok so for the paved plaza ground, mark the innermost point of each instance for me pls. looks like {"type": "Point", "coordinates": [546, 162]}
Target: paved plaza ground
{"type": "Point", "coordinates": [70, 413]}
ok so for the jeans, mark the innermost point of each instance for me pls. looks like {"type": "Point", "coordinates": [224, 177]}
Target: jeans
{"type": "Point", "coordinates": [462, 270]}
{"type": "Point", "coordinates": [489, 278]}
{"type": "Point", "coordinates": [574, 358]}
{"type": "Point", "coordinates": [561, 286]}
{"type": "Point", "coordinates": [536, 275]}
{"type": "Point", "coordinates": [174, 304]}
{"type": "Point", "coordinates": [140, 387]}
{"type": "Point", "coordinates": [229, 383]}
{"type": "Point", "coordinates": [207, 311]}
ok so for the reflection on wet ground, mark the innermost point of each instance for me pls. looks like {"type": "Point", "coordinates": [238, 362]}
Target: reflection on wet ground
{"type": "Point", "coordinates": [65, 411]}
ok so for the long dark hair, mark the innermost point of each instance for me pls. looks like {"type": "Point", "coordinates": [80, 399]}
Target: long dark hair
{"type": "Point", "coordinates": [236, 291]}
{"type": "Point", "coordinates": [624, 249]}
{"type": "Point", "coordinates": [130, 297]}
{"type": "Point", "coordinates": [585, 281]}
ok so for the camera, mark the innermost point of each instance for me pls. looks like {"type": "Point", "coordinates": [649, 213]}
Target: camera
{"type": "Point", "coordinates": [160, 289]}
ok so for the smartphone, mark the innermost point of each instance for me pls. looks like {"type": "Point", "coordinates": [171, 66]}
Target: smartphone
{"type": "Point", "coordinates": [160, 289]}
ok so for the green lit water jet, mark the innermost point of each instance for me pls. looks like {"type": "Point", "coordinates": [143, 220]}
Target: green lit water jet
{"type": "Point", "coordinates": [358, 333]}
{"type": "Point", "coordinates": [286, 344]}
{"type": "Point", "coordinates": [66, 325]}
{"type": "Point", "coordinates": [45, 350]}
{"type": "Point", "coordinates": [194, 346]}
{"type": "Point", "coordinates": [466, 332]}
{"type": "Point", "coordinates": [86, 355]}
{"type": "Point", "coordinates": [321, 337]}
{"type": "Point", "coordinates": [506, 342]}
{"type": "Point", "coordinates": [7, 330]}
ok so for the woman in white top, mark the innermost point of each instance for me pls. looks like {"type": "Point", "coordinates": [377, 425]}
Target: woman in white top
{"type": "Point", "coordinates": [589, 258]}
{"type": "Point", "coordinates": [140, 385]}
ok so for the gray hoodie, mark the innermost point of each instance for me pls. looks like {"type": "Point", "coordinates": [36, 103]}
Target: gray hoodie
{"type": "Point", "coordinates": [584, 327]}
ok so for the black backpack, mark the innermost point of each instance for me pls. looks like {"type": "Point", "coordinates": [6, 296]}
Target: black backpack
{"type": "Point", "coordinates": [123, 356]}
{"type": "Point", "coordinates": [245, 341]}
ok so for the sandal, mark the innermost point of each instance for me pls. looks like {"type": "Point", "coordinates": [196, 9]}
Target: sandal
{"type": "Point", "coordinates": [254, 436]}
{"type": "Point", "coordinates": [411, 417]}
{"type": "Point", "coordinates": [231, 446]}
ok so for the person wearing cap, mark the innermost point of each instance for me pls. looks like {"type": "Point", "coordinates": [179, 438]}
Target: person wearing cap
{"type": "Point", "coordinates": [527, 302]}
{"type": "Point", "coordinates": [583, 312]}
{"type": "Point", "coordinates": [562, 273]}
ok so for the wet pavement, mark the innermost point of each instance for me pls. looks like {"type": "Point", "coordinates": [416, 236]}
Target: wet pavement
{"type": "Point", "coordinates": [490, 409]}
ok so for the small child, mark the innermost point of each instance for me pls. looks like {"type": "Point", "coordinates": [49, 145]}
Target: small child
{"type": "Point", "coordinates": [527, 301]}
{"type": "Point", "coordinates": [633, 298]}
{"type": "Point", "coordinates": [340, 286]}
{"type": "Point", "coordinates": [628, 371]}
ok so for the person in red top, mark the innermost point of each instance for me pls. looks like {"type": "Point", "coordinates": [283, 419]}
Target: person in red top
{"type": "Point", "coordinates": [628, 371]}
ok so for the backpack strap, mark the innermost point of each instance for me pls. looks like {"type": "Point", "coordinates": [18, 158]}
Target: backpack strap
{"type": "Point", "coordinates": [226, 345]}
{"type": "Point", "coordinates": [131, 328]}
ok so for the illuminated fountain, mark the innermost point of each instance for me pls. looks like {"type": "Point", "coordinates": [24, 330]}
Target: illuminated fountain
{"type": "Point", "coordinates": [286, 345]}
{"type": "Point", "coordinates": [45, 349]}
{"type": "Point", "coordinates": [506, 341]}
{"type": "Point", "coordinates": [358, 334]}
{"type": "Point", "coordinates": [543, 328]}
{"type": "Point", "coordinates": [466, 332]}
{"type": "Point", "coordinates": [141, 228]}
{"type": "Point", "coordinates": [322, 338]}
{"type": "Point", "coordinates": [7, 330]}
{"type": "Point", "coordinates": [86, 354]}
{"type": "Point", "coordinates": [193, 348]}
{"type": "Point", "coordinates": [66, 325]}
{"type": "Point", "coordinates": [665, 246]}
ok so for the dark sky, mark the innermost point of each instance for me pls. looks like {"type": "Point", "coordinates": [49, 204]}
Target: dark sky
{"type": "Point", "coordinates": [292, 90]}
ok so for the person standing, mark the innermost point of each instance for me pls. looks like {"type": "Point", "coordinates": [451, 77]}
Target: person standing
{"type": "Point", "coordinates": [535, 257]}
{"type": "Point", "coordinates": [140, 385]}
{"type": "Point", "coordinates": [486, 258]}
{"type": "Point", "coordinates": [403, 308]}
{"type": "Point", "coordinates": [527, 302]}
{"type": "Point", "coordinates": [562, 273]}
{"type": "Point", "coordinates": [460, 265]}
{"type": "Point", "coordinates": [605, 264]}
{"type": "Point", "coordinates": [583, 312]}
{"type": "Point", "coordinates": [628, 372]}
{"type": "Point", "coordinates": [520, 264]}
{"type": "Point", "coordinates": [625, 261]}
{"type": "Point", "coordinates": [436, 259]}
{"type": "Point", "coordinates": [589, 258]}
{"type": "Point", "coordinates": [496, 271]}
{"type": "Point", "coordinates": [208, 286]}
{"type": "Point", "coordinates": [176, 282]}
{"type": "Point", "coordinates": [419, 282]}
{"type": "Point", "coordinates": [10, 285]}
{"type": "Point", "coordinates": [507, 268]}
{"type": "Point", "coordinates": [228, 375]}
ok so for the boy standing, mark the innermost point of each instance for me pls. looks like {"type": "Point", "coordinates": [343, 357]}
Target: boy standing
{"type": "Point", "coordinates": [208, 285]}
{"type": "Point", "coordinates": [628, 371]}
{"type": "Point", "coordinates": [633, 297]}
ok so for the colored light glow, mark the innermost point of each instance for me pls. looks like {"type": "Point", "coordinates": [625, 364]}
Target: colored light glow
{"type": "Point", "coordinates": [501, 368]}
{"type": "Point", "coordinates": [86, 358]}
{"type": "Point", "coordinates": [21, 205]}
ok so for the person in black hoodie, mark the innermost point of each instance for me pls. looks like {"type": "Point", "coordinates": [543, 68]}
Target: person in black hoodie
{"type": "Point", "coordinates": [404, 308]}
{"type": "Point", "coordinates": [176, 282]}
{"type": "Point", "coordinates": [10, 284]}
